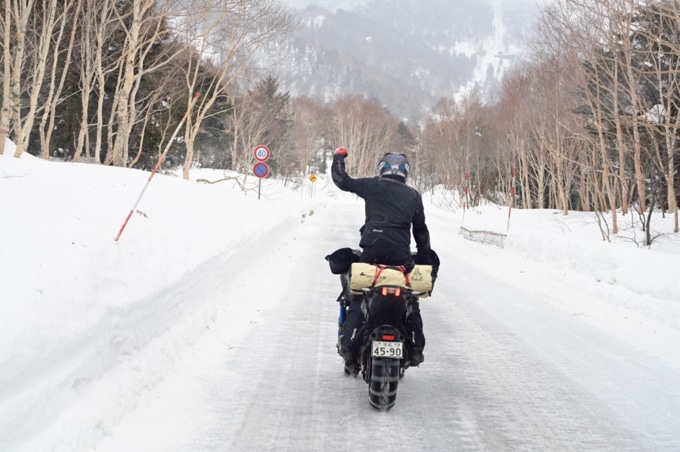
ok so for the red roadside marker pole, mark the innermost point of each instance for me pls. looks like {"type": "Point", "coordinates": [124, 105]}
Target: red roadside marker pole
{"type": "Point", "coordinates": [155, 168]}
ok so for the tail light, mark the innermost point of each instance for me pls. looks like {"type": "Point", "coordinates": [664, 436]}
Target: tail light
{"type": "Point", "coordinates": [388, 337]}
{"type": "Point", "coordinates": [396, 291]}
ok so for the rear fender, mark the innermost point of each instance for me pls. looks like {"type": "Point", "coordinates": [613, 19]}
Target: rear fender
{"type": "Point", "coordinates": [387, 308]}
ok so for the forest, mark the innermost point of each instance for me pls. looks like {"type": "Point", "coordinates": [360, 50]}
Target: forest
{"type": "Point", "coordinates": [589, 121]}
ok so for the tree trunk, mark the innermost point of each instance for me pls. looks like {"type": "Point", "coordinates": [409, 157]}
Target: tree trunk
{"type": "Point", "coordinates": [20, 23]}
{"type": "Point", "coordinates": [54, 96]}
{"type": "Point", "coordinates": [6, 81]}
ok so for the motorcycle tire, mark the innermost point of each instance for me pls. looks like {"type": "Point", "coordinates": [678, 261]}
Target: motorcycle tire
{"type": "Point", "coordinates": [383, 383]}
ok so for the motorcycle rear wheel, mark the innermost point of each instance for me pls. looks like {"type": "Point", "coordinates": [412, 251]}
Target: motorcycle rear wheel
{"type": "Point", "coordinates": [384, 380]}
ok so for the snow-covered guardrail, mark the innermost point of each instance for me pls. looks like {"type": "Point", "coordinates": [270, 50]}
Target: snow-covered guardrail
{"type": "Point", "coordinates": [494, 238]}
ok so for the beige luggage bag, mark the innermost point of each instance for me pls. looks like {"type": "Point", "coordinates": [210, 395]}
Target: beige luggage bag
{"type": "Point", "coordinates": [365, 275]}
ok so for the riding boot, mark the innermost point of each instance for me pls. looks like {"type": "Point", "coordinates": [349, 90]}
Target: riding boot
{"type": "Point", "coordinates": [414, 326]}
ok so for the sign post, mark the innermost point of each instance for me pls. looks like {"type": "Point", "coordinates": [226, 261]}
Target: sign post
{"type": "Point", "coordinates": [312, 179]}
{"type": "Point", "coordinates": [261, 169]}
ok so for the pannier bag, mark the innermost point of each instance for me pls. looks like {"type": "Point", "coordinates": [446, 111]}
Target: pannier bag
{"type": "Point", "coordinates": [365, 275]}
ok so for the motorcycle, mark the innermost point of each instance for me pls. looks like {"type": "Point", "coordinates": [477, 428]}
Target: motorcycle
{"type": "Point", "coordinates": [388, 293]}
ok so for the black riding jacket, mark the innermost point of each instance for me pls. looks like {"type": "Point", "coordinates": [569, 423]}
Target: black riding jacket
{"type": "Point", "coordinates": [391, 208]}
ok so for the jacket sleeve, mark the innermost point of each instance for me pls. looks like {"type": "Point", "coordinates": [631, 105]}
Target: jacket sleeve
{"type": "Point", "coordinates": [338, 172]}
{"type": "Point", "coordinates": [420, 232]}
{"type": "Point", "coordinates": [343, 180]}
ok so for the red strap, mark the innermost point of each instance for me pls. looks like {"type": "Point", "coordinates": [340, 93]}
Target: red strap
{"type": "Point", "coordinates": [406, 278]}
{"type": "Point", "coordinates": [379, 269]}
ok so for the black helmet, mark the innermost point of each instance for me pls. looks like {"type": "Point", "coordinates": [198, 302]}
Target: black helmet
{"type": "Point", "coordinates": [393, 164]}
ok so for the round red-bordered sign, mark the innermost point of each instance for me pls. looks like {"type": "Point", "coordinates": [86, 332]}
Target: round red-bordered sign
{"type": "Point", "coordinates": [261, 153]}
{"type": "Point", "coordinates": [261, 170]}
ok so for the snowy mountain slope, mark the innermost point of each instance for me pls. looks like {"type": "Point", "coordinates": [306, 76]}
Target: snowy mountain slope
{"type": "Point", "coordinates": [405, 53]}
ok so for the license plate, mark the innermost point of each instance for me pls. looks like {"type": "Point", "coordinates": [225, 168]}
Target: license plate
{"type": "Point", "coordinates": [386, 349]}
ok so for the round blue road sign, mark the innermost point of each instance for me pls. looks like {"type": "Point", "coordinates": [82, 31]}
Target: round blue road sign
{"type": "Point", "coordinates": [261, 170]}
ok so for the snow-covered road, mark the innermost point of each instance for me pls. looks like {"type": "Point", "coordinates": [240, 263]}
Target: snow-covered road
{"type": "Point", "coordinates": [510, 364]}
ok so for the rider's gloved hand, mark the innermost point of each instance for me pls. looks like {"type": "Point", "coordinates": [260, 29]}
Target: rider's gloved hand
{"type": "Point", "coordinates": [424, 257]}
{"type": "Point", "coordinates": [341, 152]}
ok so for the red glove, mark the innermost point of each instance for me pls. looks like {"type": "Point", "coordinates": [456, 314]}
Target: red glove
{"type": "Point", "coordinates": [341, 151]}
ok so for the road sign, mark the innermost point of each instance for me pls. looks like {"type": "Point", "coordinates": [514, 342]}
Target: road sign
{"type": "Point", "coordinates": [261, 153]}
{"type": "Point", "coordinates": [261, 170]}
{"type": "Point", "coordinates": [312, 178]}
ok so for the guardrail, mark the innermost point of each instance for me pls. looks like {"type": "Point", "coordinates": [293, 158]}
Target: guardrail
{"type": "Point", "coordinates": [494, 238]}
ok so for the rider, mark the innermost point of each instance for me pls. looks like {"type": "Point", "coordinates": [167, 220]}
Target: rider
{"type": "Point", "coordinates": [391, 209]}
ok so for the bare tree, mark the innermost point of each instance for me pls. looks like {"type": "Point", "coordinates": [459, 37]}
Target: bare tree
{"type": "Point", "coordinates": [307, 133]}
{"type": "Point", "coordinates": [101, 25]}
{"type": "Point", "coordinates": [574, 32]}
{"type": "Point", "coordinates": [225, 33]}
{"type": "Point", "coordinates": [440, 145]}
{"type": "Point", "coordinates": [144, 25]}
{"type": "Point", "coordinates": [662, 64]}
{"type": "Point", "coordinates": [621, 18]}
{"type": "Point", "coordinates": [556, 125]}
{"type": "Point", "coordinates": [512, 127]}
{"type": "Point", "coordinates": [249, 127]}
{"type": "Point", "coordinates": [60, 69]}
{"type": "Point", "coordinates": [472, 131]}
{"type": "Point", "coordinates": [367, 129]}
{"type": "Point", "coordinates": [38, 44]}
{"type": "Point", "coordinates": [159, 111]}
{"type": "Point", "coordinates": [5, 25]}
{"type": "Point", "coordinates": [94, 26]}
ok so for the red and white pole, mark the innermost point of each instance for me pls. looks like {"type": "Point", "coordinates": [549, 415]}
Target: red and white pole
{"type": "Point", "coordinates": [512, 195]}
{"type": "Point", "coordinates": [158, 165]}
